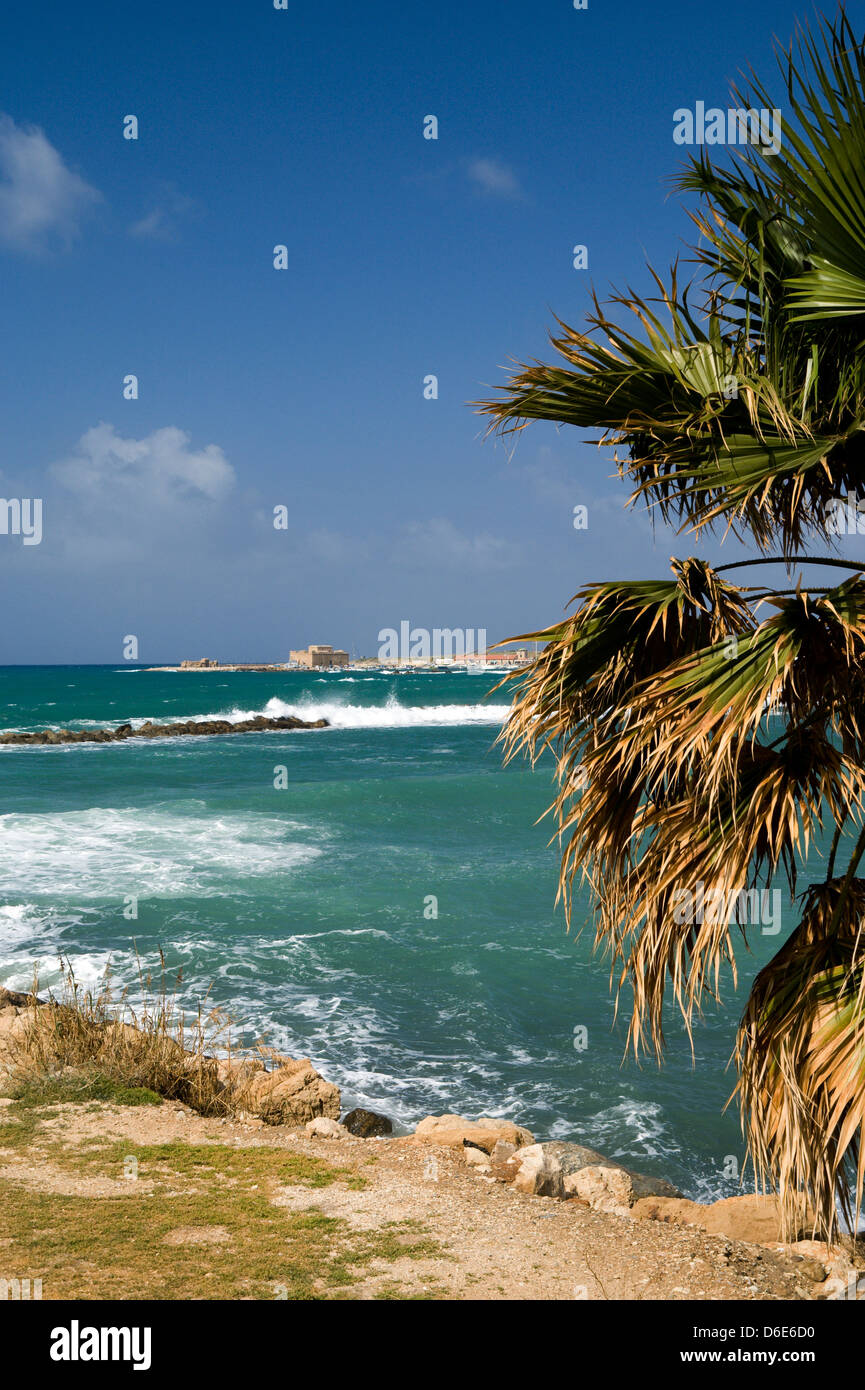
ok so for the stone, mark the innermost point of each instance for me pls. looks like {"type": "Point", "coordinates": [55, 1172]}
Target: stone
{"type": "Point", "coordinates": [749, 1217]}
{"type": "Point", "coordinates": [504, 1161]}
{"type": "Point", "coordinates": [604, 1186]}
{"type": "Point", "coordinates": [324, 1128]}
{"type": "Point", "coordinates": [573, 1157]}
{"type": "Point", "coordinates": [677, 1210]}
{"type": "Point", "coordinates": [539, 1173]}
{"type": "Point", "coordinates": [476, 1158]}
{"type": "Point", "coordinates": [366, 1124]}
{"type": "Point", "coordinates": [451, 1130]}
{"type": "Point", "coordinates": [292, 1094]}
{"type": "Point", "coordinates": [148, 729]}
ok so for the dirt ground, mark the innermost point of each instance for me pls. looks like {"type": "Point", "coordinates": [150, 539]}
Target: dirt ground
{"type": "Point", "coordinates": [485, 1240]}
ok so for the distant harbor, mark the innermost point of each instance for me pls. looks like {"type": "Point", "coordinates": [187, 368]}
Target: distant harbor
{"type": "Point", "coordinates": [326, 658]}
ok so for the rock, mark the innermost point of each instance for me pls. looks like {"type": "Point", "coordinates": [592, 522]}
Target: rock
{"type": "Point", "coordinates": [675, 1209]}
{"type": "Point", "coordinates": [604, 1186]}
{"type": "Point", "coordinates": [645, 1186]}
{"type": "Point", "coordinates": [366, 1124]}
{"type": "Point", "coordinates": [292, 1094]}
{"type": "Point", "coordinates": [476, 1158]}
{"type": "Point", "coordinates": [813, 1270]}
{"type": "Point", "coordinates": [834, 1258]}
{"type": "Point", "coordinates": [451, 1130]}
{"type": "Point", "coordinates": [237, 1074]}
{"type": "Point", "coordinates": [323, 1128]}
{"type": "Point", "coordinates": [749, 1217]}
{"type": "Point", "coordinates": [539, 1173]}
{"type": "Point", "coordinates": [838, 1272]}
{"type": "Point", "coordinates": [504, 1161]}
{"type": "Point", "coordinates": [148, 729]}
{"type": "Point", "coordinates": [847, 1286]}
{"type": "Point", "coordinates": [573, 1157]}
{"type": "Point", "coordinates": [11, 999]}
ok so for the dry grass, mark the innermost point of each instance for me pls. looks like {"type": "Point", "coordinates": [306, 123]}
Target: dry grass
{"type": "Point", "coordinates": [153, 1046]}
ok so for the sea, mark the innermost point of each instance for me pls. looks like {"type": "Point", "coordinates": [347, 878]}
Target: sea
{"type": "Point", "coordinates": [378, 896]}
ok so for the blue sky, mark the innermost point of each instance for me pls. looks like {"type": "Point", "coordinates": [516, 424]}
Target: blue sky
{"type": "Point", "coordinates": [304, 387]}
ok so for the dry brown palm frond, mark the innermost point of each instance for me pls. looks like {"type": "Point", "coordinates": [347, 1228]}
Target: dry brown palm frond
{"type": "Point", "coordinates": [801, 1058]}
{"type": "Point", "coordinates": [670, 772]}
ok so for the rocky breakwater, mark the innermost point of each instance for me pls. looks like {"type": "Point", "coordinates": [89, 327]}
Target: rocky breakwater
{"type": "Point", "coordinates": [193, 727]}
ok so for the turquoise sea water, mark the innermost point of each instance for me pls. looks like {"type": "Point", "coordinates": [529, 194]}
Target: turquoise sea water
{"type": "Point", "coordinates": [302, 909]}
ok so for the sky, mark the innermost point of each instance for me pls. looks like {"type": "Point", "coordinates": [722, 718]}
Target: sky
{"type": "Point", "coordinates": [303, 388]}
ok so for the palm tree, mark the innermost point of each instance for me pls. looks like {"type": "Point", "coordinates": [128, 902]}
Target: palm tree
{"type": "Point", "coordinates": [705, 732]}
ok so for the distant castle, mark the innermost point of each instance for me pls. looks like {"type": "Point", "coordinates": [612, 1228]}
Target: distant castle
{"type": "Point", "coordinates": [312, 657]}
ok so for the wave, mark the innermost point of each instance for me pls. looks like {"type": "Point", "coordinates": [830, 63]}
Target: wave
{"type": "Point", "coordinates": [391, 715]}
{"type": "Point", "coordinates": [153, 852]}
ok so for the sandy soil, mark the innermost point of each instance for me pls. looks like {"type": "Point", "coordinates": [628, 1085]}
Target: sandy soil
{"type": "Point", "coordinates": [497, 1243]}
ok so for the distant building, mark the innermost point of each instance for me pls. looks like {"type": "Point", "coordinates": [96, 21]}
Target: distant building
{"type": "Point", "coordinates": [203, 661]}
{"type": "Point", "coordinates": [312, 657]}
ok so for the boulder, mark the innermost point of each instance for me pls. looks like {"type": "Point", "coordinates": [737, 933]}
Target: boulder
{"type": "Point", "coordinates": [476, 1158]}
{"type": "Point", "coordinates": [604, 1186]}
{"type": "Point", "coordinates": [451, 1130]}
{"type": "Point", "coordinates": [573, 1157]}
{"type": "Point", "coordinates": [678, 1210]}
{"type": "Point", "coordinates": [323, 1128]}
{"type": "Point", "coordinates": [749, 1217]}
{"type": "Point", "coordinates": [504, 1161]}
{"type": "Point", "coordinates": [539, 1173]}
{"type": "Point", "coordinates": [366, 1124]}
{"type": "Point", "coordinates": [15, 1021]}
{"type": "Point", "coordinates": [292, 1094]}
{"type": "Point", "coordinates": [833, 1257]}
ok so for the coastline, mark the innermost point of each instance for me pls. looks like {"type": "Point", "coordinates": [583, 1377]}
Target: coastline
{"type": "Point", "coordinates": [459, 1209]}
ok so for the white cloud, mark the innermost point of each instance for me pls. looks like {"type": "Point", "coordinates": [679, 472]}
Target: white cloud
{"type": "Point", "coordinates": [158, 471]}
{"type": "Point", "coordinates": [40, 198]}
{"type": "Point", "coordinates": [162, 221]}
{"type": "Point", "coordinates": [440, 544]}
{"type": "Point", "coordinates": [492, 176]}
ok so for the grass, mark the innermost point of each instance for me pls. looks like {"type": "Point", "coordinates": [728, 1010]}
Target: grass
{"type": "Point", "coordinates": [123, 1246]}
{"type": "Point", "coordinates": [77, 1085]}
{"type": "Point", "coordinates": [178, 1221]}
{"type": "Point", "coordinates": [154, 1046]}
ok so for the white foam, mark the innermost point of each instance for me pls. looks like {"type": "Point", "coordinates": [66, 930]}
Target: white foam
{"type": "Point", "coordinates": [391, 715]}
{"type": "Point", "coordinates": [154, 852]}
